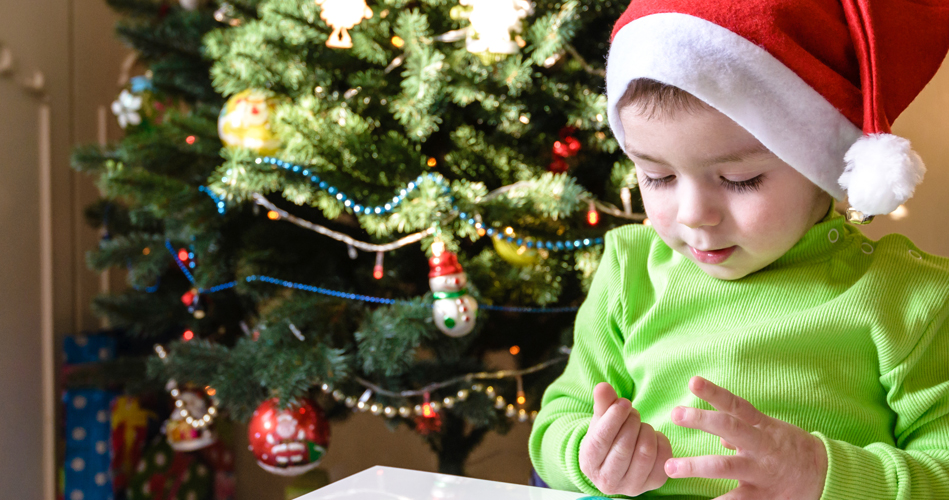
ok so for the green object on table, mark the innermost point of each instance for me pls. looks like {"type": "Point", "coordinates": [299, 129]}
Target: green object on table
{"type": "Point", "coordinates": [313, 480]}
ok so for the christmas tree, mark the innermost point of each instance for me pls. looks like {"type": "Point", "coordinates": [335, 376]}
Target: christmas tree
{"type": "Point", "coordinates": [404, 187]}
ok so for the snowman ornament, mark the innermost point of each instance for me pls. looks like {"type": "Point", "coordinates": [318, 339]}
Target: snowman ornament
{"type": "Point", "coordinates": [454, 310]}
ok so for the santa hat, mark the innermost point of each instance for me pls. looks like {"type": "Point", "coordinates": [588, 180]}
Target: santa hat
{"type": "Point", "coordinates": [818, 82]}
{"type": "Point", "coordinates": [443, 264]}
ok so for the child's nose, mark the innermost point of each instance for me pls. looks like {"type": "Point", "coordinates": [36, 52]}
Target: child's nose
{"type": "Point", "coordinates": [697, 208]}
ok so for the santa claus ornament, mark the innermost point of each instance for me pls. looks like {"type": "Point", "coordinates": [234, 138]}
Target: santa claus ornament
{"type": "Point", "coordinates": [817, 82]}
{"type": "Point", "coordinates": [453, 310]}
{"type": "Point", "coordinates": [288, 441]}
{"type": "Point", "coordinates": [189, 427]}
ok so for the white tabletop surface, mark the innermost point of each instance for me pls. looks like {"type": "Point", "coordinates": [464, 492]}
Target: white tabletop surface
{"type": "Point", "coordinates": [381, 483]}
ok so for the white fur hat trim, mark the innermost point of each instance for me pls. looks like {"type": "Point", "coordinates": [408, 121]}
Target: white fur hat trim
{"type": "Point", "coordinates": [881, 173]}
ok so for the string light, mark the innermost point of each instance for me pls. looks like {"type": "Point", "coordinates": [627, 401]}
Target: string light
{"type": "Point", "coordinates": [272, 215]}
{"type": "Point", "coordinates": [191, 139]}
{"type": "Point", "coordinates": [593, 217]}
{"type": "Point", "coordinates": [411, 186]}
{"type": "Point", "coordinates": [347, 201]}
{"type": "Point", "coordinates": [188, 335]}
{"type": "Point", "coordinates": [349, 296]}
{"type": "Point", "coordinates": [398, 42]}
{"type": "Point", "coordinates": [515, 349]}
{"type": "Point", "coordinates": [218, 202]}
{"type": "Point", "coordinates": [431, 162]}
{"type": "Point", "coordinates": [377, 269]}
{"type": "Point", "coordinates": [146, 251]}
{"type": "Point", "coordinates": [427, 410]}
{"type": "Point", "coordinates": [525, 243]}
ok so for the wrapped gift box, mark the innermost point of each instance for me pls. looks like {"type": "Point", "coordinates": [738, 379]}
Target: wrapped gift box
{"type": "Point", "coordinates": [88, 348]}
{"type": "Point", "coordinates": [88, 429]}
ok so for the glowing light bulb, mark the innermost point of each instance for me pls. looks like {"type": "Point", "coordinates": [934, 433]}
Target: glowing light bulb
{"type": "Point", "coordinates": [377, 269]}
{"type": "Point", "coordinates": [273, 215]}
{"type": "Point", "coordinates": [593, 217]}
{"type": "Point", "coordinates": [515, 349]}
{"type": "Point", "coordinates": [188, 335]}
{"type": "Point", "coordinates": [191, 139]}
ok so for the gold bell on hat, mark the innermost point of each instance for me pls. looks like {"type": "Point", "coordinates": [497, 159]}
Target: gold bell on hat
{"type": "Point", "coordinates": [858, 217]}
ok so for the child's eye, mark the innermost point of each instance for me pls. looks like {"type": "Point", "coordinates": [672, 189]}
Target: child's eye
{"type": "Point", "coordinates": [650, 182]}
{"type": "Point", "coordinates": [741, 186]}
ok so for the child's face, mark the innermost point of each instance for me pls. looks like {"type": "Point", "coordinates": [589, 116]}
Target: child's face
{"type": "Point", "coordinates": [708, 184]}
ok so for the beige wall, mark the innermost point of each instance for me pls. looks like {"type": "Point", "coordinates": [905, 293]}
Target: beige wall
{"type": "Point", "coordinates": [45, 285]}
{"type": "Point", "coordinates": [926, 124]}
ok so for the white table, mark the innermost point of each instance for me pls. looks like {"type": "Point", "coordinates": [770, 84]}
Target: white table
{"type": "Point", "coordinates": [380, 483]}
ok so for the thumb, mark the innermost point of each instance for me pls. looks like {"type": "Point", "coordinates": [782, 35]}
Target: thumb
{"type": "Point", "coordinates": [603, 397]}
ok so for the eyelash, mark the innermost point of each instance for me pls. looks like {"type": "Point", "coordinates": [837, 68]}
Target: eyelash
{"type": "Point", "coordinates": [752, 184]}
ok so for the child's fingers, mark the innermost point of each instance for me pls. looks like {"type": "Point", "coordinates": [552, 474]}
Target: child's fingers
{"type": "Point", "coordinates": [657, 477]}
{"type": "Point", "coordinates": [643, 458]}
{"type": "Point", "coordinates": [727, 445]}
{"type": "Point", "coordinates": [601, 434]}
{"type": "Point", "coordinates": [620, 454]}
{"type": "Point", "coordinates": [603, 397]}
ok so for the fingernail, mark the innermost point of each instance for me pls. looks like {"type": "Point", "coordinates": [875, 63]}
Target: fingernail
{"type": "Point", "coordinates": [670, 467]}
{"type": "Point", "coordinates": [678, 413]}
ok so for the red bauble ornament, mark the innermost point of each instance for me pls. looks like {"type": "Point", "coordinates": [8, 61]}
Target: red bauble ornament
{"type": "Point", "coordinates": [567, 132]}
{"type": "Point", "coordinates": [558, 165]}
{"type": "Point", "coordinates": [290, 441]}
{"type": "Point", "coordinates": [568, 147]}
{"type": "Point", "coordinates": [560, 149]}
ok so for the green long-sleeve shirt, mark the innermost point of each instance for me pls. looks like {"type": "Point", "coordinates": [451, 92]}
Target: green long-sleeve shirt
{"type": "Point", "coordinates": [842, 336]}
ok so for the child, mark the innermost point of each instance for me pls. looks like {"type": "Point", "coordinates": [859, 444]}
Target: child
{"type": "Point", "coordinates": [751, 332]}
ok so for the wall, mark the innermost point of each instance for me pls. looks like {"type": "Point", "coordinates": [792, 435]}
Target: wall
{"type": "Point", "coordinates": [46, 286]}
{"type": "Point", "coordinates": [926, 124]}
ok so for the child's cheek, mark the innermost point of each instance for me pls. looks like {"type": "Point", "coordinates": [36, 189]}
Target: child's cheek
{"type": "Point", "coordinates": [660, 211]}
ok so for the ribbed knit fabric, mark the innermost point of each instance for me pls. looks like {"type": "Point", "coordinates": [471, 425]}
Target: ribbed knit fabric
{"type": "Point", "coordinates": [842, 336]}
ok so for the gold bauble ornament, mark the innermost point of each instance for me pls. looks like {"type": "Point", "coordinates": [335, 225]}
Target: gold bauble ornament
{"type": "Point", "coordinates": [513, 254]}
{"type": "Point", "coordinates": [245, 122]}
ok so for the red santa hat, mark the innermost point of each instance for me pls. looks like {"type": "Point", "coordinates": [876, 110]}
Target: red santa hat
{"type": "Point", "coordinates": [443, 264]}
{"type": "Point", "coordinates": [818, 82]}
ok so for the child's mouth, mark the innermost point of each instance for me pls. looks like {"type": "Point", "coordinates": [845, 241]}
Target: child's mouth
{"type": "Point", "coordinates": [712, 256]}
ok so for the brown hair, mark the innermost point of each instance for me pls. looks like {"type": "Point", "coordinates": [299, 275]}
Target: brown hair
{"type": "Point", "coordinates": [655, 99]}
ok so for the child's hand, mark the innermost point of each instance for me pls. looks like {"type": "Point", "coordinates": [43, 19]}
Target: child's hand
{"type": "Point", "coordinates": [775, 459]}
{"type": "Point", "coordinates": [620, 454]}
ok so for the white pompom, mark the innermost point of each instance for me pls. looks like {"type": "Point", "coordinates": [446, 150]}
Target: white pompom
{"type": "Point", "coordinates": [882, 172]}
